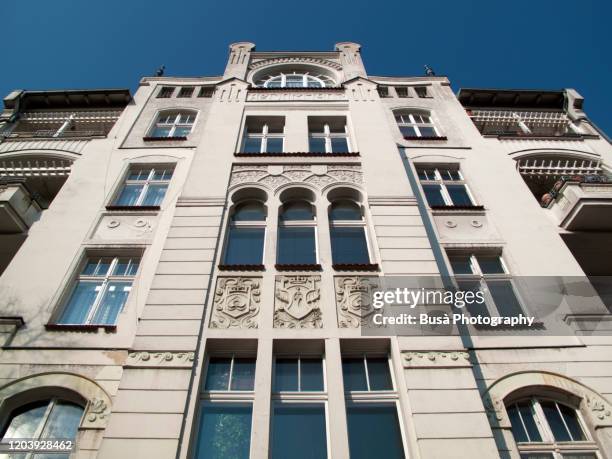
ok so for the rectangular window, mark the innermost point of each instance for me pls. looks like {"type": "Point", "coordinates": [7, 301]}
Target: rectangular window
{"type": "Point", "coordinates": [100, 291]}
{"type": "Point", "coordinates": [244, 245]}
{"type": "Point", "coordinates": [224, 430]}
{"type": "Point", "coordinates": [374, 431]}
{"type": "Point", "coordinates": [402, 91]}
{"type": "Point", "coordinates": [415, 125]}
{"type": "Point", "coordinates": [328, 134]}
{"type": "Point", "coordinates": [383, 91]}
{"type": "Point", "coordinates": [444, 187]}
{"type": "Point", "coordinates": [298, 374]}
{"type": "Point", "coordinates": [296, 245]}
{"type": "Point", "coordinates": [298, 431]}
{"type": "Point", "coordinates": [264, 134]}
{"type": "Point", "coordinates": [206, 91]}
{"type": "Point", "coordinates": [230, 374]}
{"type": "Point", "coordinates": [145, 186]}
{"type": "Point", "coordinates": [366, 373]}
{"type": "Point", "coordinates": [186, 91]}
{"type": "Point", "coordinates": [165, 92]}
{"type": "Point", "coordinates": [349, 245]}
{"type": "Point", "coordinates": [421, 91]}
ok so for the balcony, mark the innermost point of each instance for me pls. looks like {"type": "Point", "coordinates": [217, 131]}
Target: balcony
{"type": "Point", "coordinates": [581, 203]}
{"type": "Point", "coordinates": [18, 209]}
{"type": "Point", "coordinates": [524, 124]}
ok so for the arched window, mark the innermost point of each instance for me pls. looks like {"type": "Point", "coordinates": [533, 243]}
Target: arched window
{"type": "Point", "coordinates": [415, 124]}
{"type": "Point", "coordinates": [296, 79]}
{"type": "Point", "coordinates": [173, 123]}
{"type": "Point", "coordinates": [545, 428]}
{"type": "Point", "coordinates": [348, 233]}
{"type": "Point", "coordinates": [245, 240]}
{"type": "Point", "coordinates": [47, 419]}
{"type": "Point", "coordinates": [297, 234]}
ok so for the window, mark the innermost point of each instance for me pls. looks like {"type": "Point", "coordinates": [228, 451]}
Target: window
{"type": "Point", "coordinates": [297, 234]}
{"type": "Point", "coordinates": [421, 91]}
{"type": "Point", "coordinates": [383, 91]}
{"type": "Point", "coordinates": [402, 91]}
{"type": "Point", "coordinates": [298, 374]}
{"type": "Point", "coordinates": [348, 233]}
{"type": "Point", "coordinates": [245, 241]}
{"type": "Point", "coordinates": [145, 186]}
{"type": "Point", "coordinates": [264, 135]}
{"type": "Point", "coordinates": [297, 80]}
{"type": "Point", "coordinates": [43, 420]}
{"type": "Point", "coordinates": [544, 428]}
{"type": "Point", "coordinates": [371, 409]}
{"type": "Point", "coordinates": [328, 134]}
{"type": "Point", "coordinates": [416, 125]}
{"type": "Point", "coordinates": [173, 124]}
{"type": "Point", "coordinates": [186, 91]}
{"type": "Point", "coordinates": [206, 91]}
{"type": "Point", "coordinates": [101, 291]}
{"type": "Point", "coordinates": [487, 273]}
{"type": "Point", "coordinates": [165, 92]}
{"type": "Point", "coordinates": [444, 187]}
{"type": "Point", "coordinates": [230, 374]}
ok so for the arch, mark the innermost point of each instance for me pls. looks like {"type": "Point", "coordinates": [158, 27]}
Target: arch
{"type": "Point", "coordinates": [250, 192]}
{"type": "Point", "coordinates": [527, 153]}
{"type": "Point", "coordinates": [343, 192]}
{"type": "Point", "coordinates": [291, 192]}
{"type": "Point", "coordinates": [327, 76]}
{"type": "Point", "coordinates": [94, 399]}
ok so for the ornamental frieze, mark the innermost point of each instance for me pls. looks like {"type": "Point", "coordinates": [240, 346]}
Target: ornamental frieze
{"type": "Point", "coordinates": [297, 302]}
{"type": "Point", "coordinates": [160, 359]}
{"type": "Point", "coordinates": [236, 302]}
{"type": "Point", "coordinates": [354, 300]}
{"type": "Point", "coordinates": [275, 176]}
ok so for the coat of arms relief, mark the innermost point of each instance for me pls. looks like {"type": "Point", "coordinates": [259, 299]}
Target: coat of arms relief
{"type": "Point", "coordinates": [354, 300]}
{"type": "Point", "coordinates": [236, 302]}
{"type": "Point", "coordinates": [297, 302]}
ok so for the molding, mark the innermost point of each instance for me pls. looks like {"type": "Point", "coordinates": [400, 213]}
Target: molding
{"type": "Point", "coordinates": [293, 60]}
{"type": "Point", "coordinates": [160, 359]}
{"type": "Point", "coordinates": [437, 359]}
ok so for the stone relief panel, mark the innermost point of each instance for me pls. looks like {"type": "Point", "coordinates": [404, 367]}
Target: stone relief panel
{"type": "Point", "coordinates": [160, 359]}
{"type": "Point", "coordinates": [116, 227]}
{"type": "Point", "coordinates": [318, 175]}
{"type": "Point", "coordinates": [236, 302]}
{"type": "Point", "coordinates": [354, 300]}
{"type": "Point", "coordinates": [297, 302]}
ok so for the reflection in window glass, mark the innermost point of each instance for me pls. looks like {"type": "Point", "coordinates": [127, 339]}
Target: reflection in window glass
{"type": "Point", "coordinates": [349, 245]}
{"type": "Point", "coordinates": [224, 431]}
{"type": "Point", "coordinates": [374, 431]}
{"type": "Point", "coordinates": [296, 245]}
{"type": "Point", "coordinates": [433, 194]}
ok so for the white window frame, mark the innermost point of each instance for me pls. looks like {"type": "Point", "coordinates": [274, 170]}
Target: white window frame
{"type": "Point", "coordinates": [438, 179]}
{"type": "Point", "coordinates": [328, 136]}
{"type": "Point", "coordinates": [233, 357]}
{"type": "Point", "coordinates": [150, 180]}
{"type": "Point", "coordinates": [354, 224]}
{"type": "Point", "coordinates": [300, 224]}
{"type": "Point", "coordinates": [408, 119]}
{"type": "Point", "coordinates": [283, 395]}
{"type": "Point", "coordinates": [101, 290]}
{"type": "Point", "coordinates": [305, 79]}
{"type": "Point", "coordinates": [264, 136]}
{"type": "Point", "coordinates": [245, 224]}
{"type": "Point", "coordinates": [175, 124]}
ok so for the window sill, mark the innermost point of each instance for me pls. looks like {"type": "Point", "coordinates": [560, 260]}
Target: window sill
{"type": "Point", "coordinates": [355, 266]}
{"type": "Point", "coordinates": [241, 267]}
{"type": "Point", "coordinates": [163, 139]}
{"type": "Point", "coordinates": [416, 137]}
{"type": "Point", "coordinates": [456, 207]}
{"type": "Point", "coordinates": [295, 154]}
{"type": "Point", "coordinates": [89, 328]}
{"type": "Point", "coordinates": [133, 208]}
{"type": "Point", "coordinates": [298, 267]}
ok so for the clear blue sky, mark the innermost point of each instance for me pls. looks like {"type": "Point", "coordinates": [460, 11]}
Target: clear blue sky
{"type": "Point", "coordinates": [542, 44]}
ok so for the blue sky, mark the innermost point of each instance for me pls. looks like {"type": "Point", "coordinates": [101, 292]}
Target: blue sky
{"type": "Point", "coordinates": [540, 44]}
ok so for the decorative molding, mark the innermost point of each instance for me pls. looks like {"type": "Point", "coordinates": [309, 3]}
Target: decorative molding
{"type": "Point", "coordinates": [294, 60]}
{"type": "Point", "coordinates": [160, 359]}
{"type": "Point", "coordinates": [275, 176]}
{"type": "Point", "coordinates": [438, 359]}
{"type": "Point", "coordinates": [97, 410]}
{"type": "Point", "coordinates": [288, 95]}
{"type": "Point", "coordinates": [297, 302]}
{"type": "Point", "coordinates": [354, 300]}
{"type": "Point", "coordinates": [236, 302]}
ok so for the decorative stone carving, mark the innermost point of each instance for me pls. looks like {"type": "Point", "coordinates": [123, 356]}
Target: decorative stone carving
{"type": "Point", "coordinates": [598, 407]}
{"type": "Point", "coordinates": [297, 302]}
{"type": "Point", "coordinates": [295, 60]}
{"type": "Point", "coordinates": [495, 411]}
{"type": "Point", "coordinates": [160, 359]}
{"type": "Point", "coordinates": [354, 300]}
{"type": "Point", "coordinates": [124, 226]}
{"type": "Point", "coordinates": [317, 175]}
{"type": "Point", "coordinates": [436, 358]}
{"type": "Point", "coordinates": [97, 409]}
{"type": "Point", "coordinates": [236, 302]}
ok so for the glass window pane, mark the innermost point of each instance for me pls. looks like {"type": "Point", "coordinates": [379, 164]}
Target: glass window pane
{"type": "Point", "coordinates": [297, 210]}
{"type": "Point", "coordinates": [252, 145]}
{"type": "Point", "coordinates": [316, 145]}
{"type": "Point", "coordinates": [311, 372]}
{"type": "Point", "coordinates": [461, 264]}
{"type": "Point", "coordinates": [298, 432]}
{"type": "Point", "coordinates": [296, 245]}
{"type": "Point", "coordinates": [349, 245]}
{"type": "Point", "coordinates": [427, 131]}
{"type": "Point", "coordinates": [225, 431]}
{"type": "Point", "coordinates": [353, 372]}
{"type": "Point", "coordinates": [459, 195]}
{"type": "Point", "coordinates": [25, 420]}
{"type": "Point", "coordinates": [555, 422]}
{"type": "Point", "coordinates": [571, 420]}
{"type": "Point", "coordinates": [529, 417]}
{"type": "Point", "coordinates": [155, 195]}
{"type": "Point", "coordinates": [243, 374]}
{"type": "Point", "coordinates": [63, 421]}
{"type": "Point", "coordinates": [427, 174]}
{"type": "Point", "coordinates": [286, 375]}
{"type": "Point", "coordinates": [275, 83]}
{"type": "Point", "coordinates": [345, 210]}
{"type": "Point", "coordinates": [81, 301]}
{"type": "Point", "coordinates": [162, 174]}
{"type": "Point", "coordinates": [542, 456]}
{"type": "Point", "coordinates": [90, 267]}
{"type": "Point", "coordinates": [181, 131]}
{"type": "Point", "coordinates": [129, 195]}
{"type": "Point", "coordinates": [217, 373]}
{"type": "Point", "coordinates": [490, 264]}
{"type": "Point", "coordinates": [112, 303]}
{"type": "Point", "coordinates": [408, 131]}
{"type": "Point", "coordinates": [161, 131]}
{"type": "Point", "coordinates": [574, 456]}
{"type": "Point", "coordinates": [518, 431]}
{"type": "Point", "coordinates": [475, 308]}
{"type": "Point", "coordinates": [249, 211]}
{"type": "Point", "coordinates": [126, 267]}
{"type": "Point", "coordinates": [274, 145]}
{"type": "Point", "coordinates": [505, 299]}
{"type": "Point", "coordinates": [339, 145]}
{"type": "Point", "coordinates": [433, 194]}
{"type": "Point", "coordinates": [374, 432]}
{"type": "Point", "coordinates": [245, 246]}
{"type": "Point", "coordinates": [378, 372]}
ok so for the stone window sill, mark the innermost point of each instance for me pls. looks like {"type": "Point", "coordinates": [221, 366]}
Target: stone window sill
{"type": "Point", "coordinates": [242, 268]}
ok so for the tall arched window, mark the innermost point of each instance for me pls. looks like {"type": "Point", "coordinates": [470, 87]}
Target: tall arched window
{"type": "Point", "coordinates": [544, 428]}
{"type": "Point", "coordinates": [297, 234]}
{"type": "Point", "coordinates": [173, 123]}
{"type": "Point", "coordinates": [43, 420]}
{"type": "Point", "coordinates": [246, 234]}
{"type": "Point", "coordinates": [415, 124]}
{"type": "Point", "coordinates": [348, 233]}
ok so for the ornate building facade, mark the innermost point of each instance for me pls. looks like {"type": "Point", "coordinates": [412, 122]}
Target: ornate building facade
{"type": "Point", "coordinates": [188, 272]}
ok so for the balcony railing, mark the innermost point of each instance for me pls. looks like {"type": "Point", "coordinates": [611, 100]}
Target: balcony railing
{"type": "Point", "coordinates": [52, 133]}
{"type": "Point", "coordinates": [505, 123]}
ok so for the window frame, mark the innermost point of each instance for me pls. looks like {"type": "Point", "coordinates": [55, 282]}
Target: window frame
{"type": "Point", "coordinates": [305, 80]}
{"type": "Point", "coordinates": [424, 94]}
{"type": "Point", "coordinates": [310, 394]}
{"type": "Point", "coordinates": [166, 89]}
{"type": "Point", "coordinates": [264, 136]}
{"type": "Point", "coordinates": [444, 183]}
{"type": "Point", "coordinates": [231, 224]}
{"type": "Point", "coordinates": [327, 135]}
{"type": "Point", "coordinates": [174, 125]}
{"type": "Point", "coordinates": [352, 224]}
{"type": "Point", "coordinates": [298, 224]}
{"type": "Point", "coordinates": [407, 118]}
{"type": "Point", "coordinates": [233, 356]}
{"type": "Point", "coordinates": [186, 92]}
{"type": "Point", "coordinates": [150, 180]}
{"type": "Point", "coordinates": [369, 393]}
